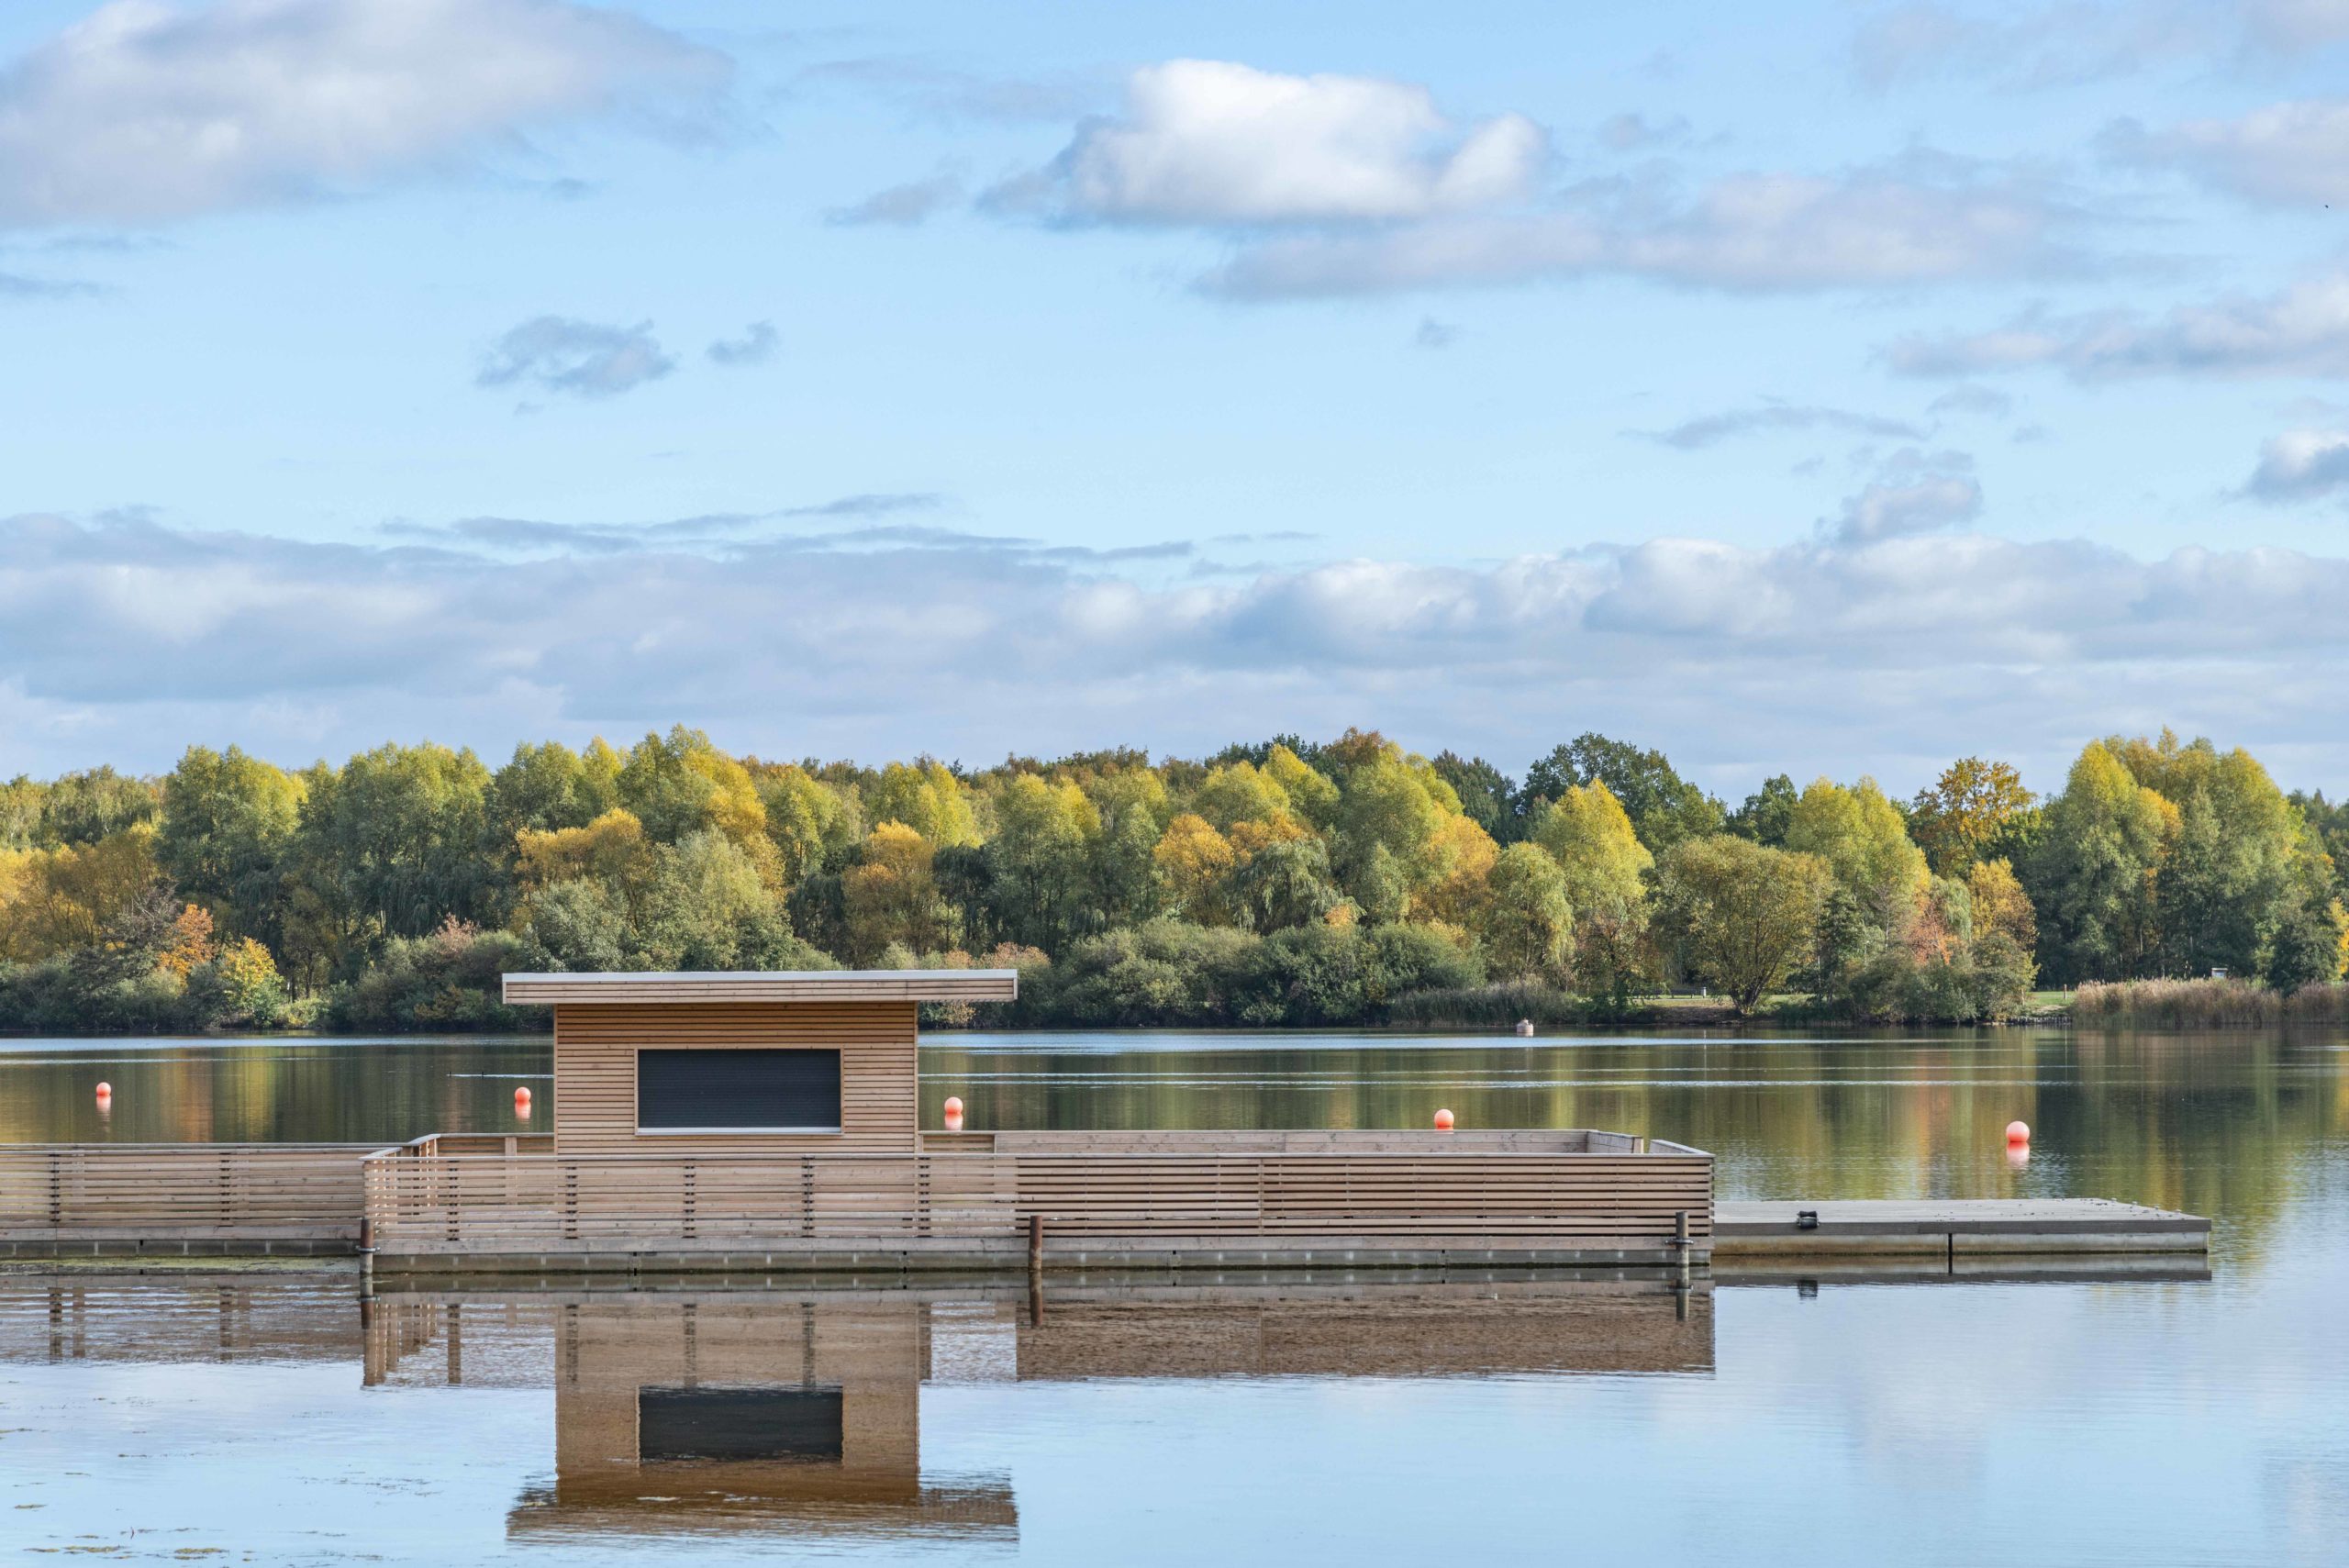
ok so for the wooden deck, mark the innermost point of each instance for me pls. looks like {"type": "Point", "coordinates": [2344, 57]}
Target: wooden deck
{"type": "Point", "coordinates": [1954, 1227]}
{"type": "Point", "coordinates": [1165, 1199]}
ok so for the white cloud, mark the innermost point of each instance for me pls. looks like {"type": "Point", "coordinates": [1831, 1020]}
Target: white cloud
{"type": "Point", "coordinates": [2288, 25]}
{"type": "Point", "coordinates": [1204, 141]}
{"type": "Point", "coordinates": [902, 206]}
{"type": "Point", "coordinates": [145, 112]}
{"type": "Point", "coordinates": [2032, 47]}
{"type": "Point", "coordinates": [1771, 419]}
{"type": "Point", "coordinates": [123, 640]}
{"type": "Point", "coordinates": [2302, 465]}
{"type": "Point", "coordinates": [2302, 331]}
{"type": "Point", "coordinates": [2292, 153]}
{"type": "Point", "coordinates": [1864, 228]}
{"type": "Point", "coordinates": [584, 359]}
{"type": "Point", "coordinates": [756, 346]}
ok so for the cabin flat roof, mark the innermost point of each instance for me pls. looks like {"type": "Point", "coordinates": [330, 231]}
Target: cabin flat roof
{"type": "Point", "coordinates": [768, 986]}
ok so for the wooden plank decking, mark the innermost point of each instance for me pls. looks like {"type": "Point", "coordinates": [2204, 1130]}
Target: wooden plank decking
{"type": "Point", "coordinates": [1160, 1199]}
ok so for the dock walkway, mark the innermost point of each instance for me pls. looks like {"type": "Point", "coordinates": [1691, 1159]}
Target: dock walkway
{"type": "Point", "coordinates": [1951, 1227]}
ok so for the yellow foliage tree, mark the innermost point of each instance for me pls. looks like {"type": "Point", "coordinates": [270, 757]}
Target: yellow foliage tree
{"type": "Point", "coordinates": [1590, 836]}
{"type": "Point", "coordinates": [926, 798]}
{"type": "Point", "coordinates": [1239, 792]}
{"type": "Point", "coordinates": [1193, 860]}
{"type": "Point", "coordinates": [1463, 855]}
{"type": "Point", "coordinates": [1861, 838]}
{"type": "Point", "coordinates": [612, 849]}
{"type": "Point", "coordinates": [893, 896]}
{"type": "Point", "coordinates": [2000, 904]}
{"type": "Point", "coordinates": [52, 901]}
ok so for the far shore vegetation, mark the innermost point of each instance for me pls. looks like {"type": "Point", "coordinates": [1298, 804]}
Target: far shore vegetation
{"type": "Point", "coordinates": [1285, 884]}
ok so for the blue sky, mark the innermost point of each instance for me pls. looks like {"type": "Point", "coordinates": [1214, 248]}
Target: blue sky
{"type": "Point", "coordinates": [1837, 389]}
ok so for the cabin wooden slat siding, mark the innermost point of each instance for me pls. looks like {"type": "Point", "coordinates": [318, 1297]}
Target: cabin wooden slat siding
{"type": "Point", "coordinates": [602, 1021]}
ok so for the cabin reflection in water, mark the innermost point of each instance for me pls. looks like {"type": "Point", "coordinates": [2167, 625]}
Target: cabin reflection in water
{"type": "Point", "coordinates": [735, 1409]}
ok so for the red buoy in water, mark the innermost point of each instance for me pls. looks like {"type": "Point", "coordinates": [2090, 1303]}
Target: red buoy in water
{"type": "Point", "coordinates": [2018, 1132]}
{"type": "Point", "coordinates": [1443, 1121]}
{"type": "Point", "coordinates": [105, 1091]}
{"type": "Point", "coordinates": [522, 1101]}
{"type": "Point", "coordinates": [954, 1113]}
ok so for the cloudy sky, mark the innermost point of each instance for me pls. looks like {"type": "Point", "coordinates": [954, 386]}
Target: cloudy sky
{"type": "Point", "coordinates": [1840, 387]}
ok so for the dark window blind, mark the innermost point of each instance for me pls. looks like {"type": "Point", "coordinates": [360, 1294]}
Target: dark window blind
{"type": "Point", "coordinates": [738, 1088]}
{"type": "Point", "coordinates": [738, 1423]}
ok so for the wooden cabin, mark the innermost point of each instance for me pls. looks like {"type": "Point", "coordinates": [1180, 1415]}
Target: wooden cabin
{"type": "Point", "coordinates": [815, 1063]}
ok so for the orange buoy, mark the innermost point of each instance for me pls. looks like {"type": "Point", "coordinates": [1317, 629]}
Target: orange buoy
{"type": "Point", "coordinates": [2018, 1132]}
{"type": "Point", "coordinates": [105, 1091]}
{"type": "Point", "coordinates": [522, 1101]}
{"type": "Point", "coordinates": [1443, 1121]}
{"type": "Point", "coordinates": [953, 1104]}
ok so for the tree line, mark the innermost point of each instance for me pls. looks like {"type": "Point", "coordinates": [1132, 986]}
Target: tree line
{"type": "Point", "coordinates": [1279, 883]}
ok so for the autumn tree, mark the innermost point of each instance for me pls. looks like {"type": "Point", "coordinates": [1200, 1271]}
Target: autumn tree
{"type": "Point", "coordinates": [1970, 807]}
{"type": "Point", "coordinates": [926, 798]}
{"type": "Point", "coordinates": [892, 896]}
{"type": "Point", "coordinates": [1588, 834]}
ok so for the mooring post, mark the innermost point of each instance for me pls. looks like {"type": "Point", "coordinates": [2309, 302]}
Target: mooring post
{"type": "Point", "coordinates": [1680, 1232]}
{"type": "Point", "coordinates": [1035, 1268]}
{"type": "Point", "coordinates": [366, 1260]}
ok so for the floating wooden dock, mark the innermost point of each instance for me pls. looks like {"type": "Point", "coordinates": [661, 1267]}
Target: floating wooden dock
{"type": "Point", "coordinates": [772, 1123]}
{"type": "Point", "coordinates": [1952, 1228]}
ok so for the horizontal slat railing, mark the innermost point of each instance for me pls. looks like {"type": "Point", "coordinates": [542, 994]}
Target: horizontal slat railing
{"type": "Point", "coordinates": [480, 1203]}
{"type": "Point", "coordinates": [224, 1192]}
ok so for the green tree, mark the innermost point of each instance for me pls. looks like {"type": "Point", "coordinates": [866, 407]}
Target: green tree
{"type": "Point", "coordinates": [709, 907]}
{"type": "Point", "coordinates": [1486, 794]}
{"type": "Point", "coordinates": [1741, 915]}
{"type": "Point", "coordinates": [1042, 849]}
{"type": "Point", "coordinates": [228, 837]}
{"type": "Point", "coordinates": [1665, 809]}
{"type": "Point", "coordinates": [1387, 820]}
{"type": "Point", "coordinates": [93, 804]}
{"type": "Point", "coordinates": [678, 784]}
{"type": "Point", "coordinates": [1528, 925]}
{"type": "Point", "coordinates": [547, 787]}
{"type": "Point", "coordinates": [1288, 883]}
{"type": "Point", "coordinates": [395, 839]}
{"type": "Point", "coordinates": [1766, 812]}
{"type": "Point", "coordinates": [1861, 837]}
{"type": "Point", "coordinates": [2092, 873]}
{"type": "Point", "coordinates": [810, 820]}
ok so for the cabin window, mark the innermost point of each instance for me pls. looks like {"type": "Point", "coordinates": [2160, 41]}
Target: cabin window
{"type": "Point", "coordinates": [737, 1091]}
{"type": "Point", "coordinates": [738, 1423]}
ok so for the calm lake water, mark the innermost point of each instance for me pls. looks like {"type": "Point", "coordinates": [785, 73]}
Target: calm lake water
{"type": "Point", "coordinates": [254, 1416]}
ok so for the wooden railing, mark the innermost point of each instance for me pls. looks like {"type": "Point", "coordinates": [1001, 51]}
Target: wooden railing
{"type": "Point", "coordinates": [158, 1192]}
{"type": "Point", "coordinates": [1403, 1190]}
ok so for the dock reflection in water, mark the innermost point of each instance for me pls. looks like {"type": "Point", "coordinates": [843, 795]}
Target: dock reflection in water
{"type": "Point", "coordinates": [784, 1411]}
{"type": "Point", "coordinates": [799, 1410]}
